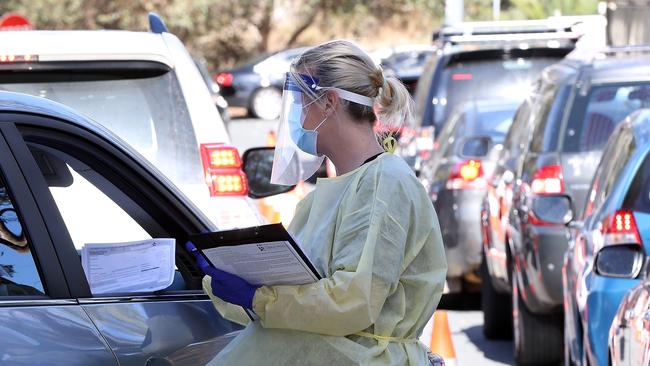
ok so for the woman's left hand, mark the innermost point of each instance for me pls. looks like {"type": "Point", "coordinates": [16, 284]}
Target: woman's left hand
{"type": "Point", "coordinates": [226, 286]}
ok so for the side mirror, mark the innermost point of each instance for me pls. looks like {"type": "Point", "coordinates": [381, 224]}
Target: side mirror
{"type": "Point", "coordinates": [620, 260]}
{"type": "Point", "coordinates": [257, 165]}
{"type": "Point", "coordinates": [553, 209]}
{"type": "Point", "coordinates": [476, 147]}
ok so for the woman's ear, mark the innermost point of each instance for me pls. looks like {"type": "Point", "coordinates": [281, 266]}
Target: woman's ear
{"type": "Point", "coordinates": [332, 101]}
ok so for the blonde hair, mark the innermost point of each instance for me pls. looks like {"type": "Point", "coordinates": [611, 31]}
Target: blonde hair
{"type": "Point", "coordinates": [344, 65]}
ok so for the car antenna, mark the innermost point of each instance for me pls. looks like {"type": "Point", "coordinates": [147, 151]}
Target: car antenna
{"type": "Point", "coordinates": [156, 24]}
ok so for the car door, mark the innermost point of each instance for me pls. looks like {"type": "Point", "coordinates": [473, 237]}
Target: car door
{"type": "Point", "coordinates": [40, 321]}
{"type": "Point", "coordinates": [96, 193]}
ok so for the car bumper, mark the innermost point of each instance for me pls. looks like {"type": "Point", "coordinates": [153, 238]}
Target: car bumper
{"type": "Point", "coordinates": [604, 297]}
{"type": "Point", "coordinates": [459, 214]}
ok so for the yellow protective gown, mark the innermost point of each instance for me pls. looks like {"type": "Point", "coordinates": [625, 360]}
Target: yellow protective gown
{"type": "Point", "coordinates": [374, 237]}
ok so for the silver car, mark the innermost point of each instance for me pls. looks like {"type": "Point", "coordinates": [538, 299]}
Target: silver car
{"type": "Point", "coordinates": [64, 178]}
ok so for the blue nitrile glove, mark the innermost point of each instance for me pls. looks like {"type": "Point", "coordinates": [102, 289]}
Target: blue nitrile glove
{"type": "Point", "coordinates": [226, 286]}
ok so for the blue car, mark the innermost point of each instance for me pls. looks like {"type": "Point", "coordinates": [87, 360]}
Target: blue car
{"type": "Point", "coordinates": [608, 245]}
{"type": "Point", "coordinates": [629, 336]}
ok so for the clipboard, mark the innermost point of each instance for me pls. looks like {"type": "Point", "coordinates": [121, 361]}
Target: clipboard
{"type": "Point", "coordinates": [262, 255]}
{"type": "Point", "coordinates": [250, 235]}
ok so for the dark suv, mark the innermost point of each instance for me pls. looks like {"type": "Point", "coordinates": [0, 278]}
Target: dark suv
{"type": "Point", "coordinates": [573, 110]}
{"type": "Point", "coordinates": [476, 61]}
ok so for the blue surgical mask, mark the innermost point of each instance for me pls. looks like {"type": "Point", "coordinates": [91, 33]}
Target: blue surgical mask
{"type": "Point", "coordinates": [306, 140]}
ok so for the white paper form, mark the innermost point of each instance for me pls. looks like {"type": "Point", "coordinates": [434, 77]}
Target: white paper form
{"type": "Point", "coordinates": [138, 266]}
{"type": "Point", "coordinates": [266, 263]}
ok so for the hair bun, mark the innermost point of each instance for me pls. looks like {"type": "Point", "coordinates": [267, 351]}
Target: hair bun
{"type": "Point", "coordinates": [377, 78]}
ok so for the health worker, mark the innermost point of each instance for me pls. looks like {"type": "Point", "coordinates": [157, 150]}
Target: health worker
{"type": "Point", "coordinates": [371, 231]}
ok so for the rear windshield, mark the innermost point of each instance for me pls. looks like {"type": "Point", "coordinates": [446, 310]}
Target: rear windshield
{"type": "Point", "coordinates": [484, 79]}
{"type": "Point", "coordinates": [595, 115]}
{"type": "Point", "coordinates": [493, 123]}
{"type": "Point", "coordinates": [145, 108]}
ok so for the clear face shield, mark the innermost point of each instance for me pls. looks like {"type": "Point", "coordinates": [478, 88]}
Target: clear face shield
{"type": "Point", "coordinates": [296, 157]}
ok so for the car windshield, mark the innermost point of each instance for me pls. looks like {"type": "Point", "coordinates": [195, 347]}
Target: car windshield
{"type": "Point", "coordinates": [144, 108]}
{"type": "Point", "coordinates": [595, 115]}
{"type": "Point", "coordinates": [484, 79]}
{"type": "Point", "coordinates": [493, 121]}
{"type": "Point", "coordinates": [407, 60]}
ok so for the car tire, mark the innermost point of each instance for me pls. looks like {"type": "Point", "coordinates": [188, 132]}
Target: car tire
{"type": "Point", "coordinates": [538, 338]}
{"type": "Point", "coordinates": [266, 103]}
{"type": "Point", "coordinates": [497, 308]}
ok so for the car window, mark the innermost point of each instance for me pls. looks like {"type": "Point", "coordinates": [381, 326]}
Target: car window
{"type": "Point", "coordinates": [595, 115]}
{"type": "Point", "coordinates": [548, 118]}
{"type": "Point", "coordinates": [638, 195]}
{"type": "Point", "coordinates": [515, 139]}
{"type": "Point", "coordinates": [447, 135]}
{"type": "Point", "coordinates": [422, 91]}
{"type": "Point", "coordinates": [90, 215]}
{"type": "Point", "coordinates": [609, 171]}
{"type": "Point", "coordinates": [19, 275]}
{"type": "Point", "coordinates": [484, 79]}
{"type": "Point", "coordinates": [407, 60]}
{"type": "Point", "coordinates": [93, 208]}
{"type": "Point", "coordinates": [492, 121]}
{"type": "Point", "coordinates": [148, 112]}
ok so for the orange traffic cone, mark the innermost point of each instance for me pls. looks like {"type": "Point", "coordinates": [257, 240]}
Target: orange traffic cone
{"type": "Point", "coordinates": [441, 342]}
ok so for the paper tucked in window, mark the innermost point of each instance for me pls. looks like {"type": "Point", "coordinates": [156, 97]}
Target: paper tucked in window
{"type": "Point", "coordinates": [138, 266]}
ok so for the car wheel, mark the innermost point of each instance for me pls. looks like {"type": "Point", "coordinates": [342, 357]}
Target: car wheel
{"type": "Point", "coordinates": [538, 338]}
{"type": "Point", "coordinates": [497, 308]}
{"type": "Point", "coordinates": [266, 103]}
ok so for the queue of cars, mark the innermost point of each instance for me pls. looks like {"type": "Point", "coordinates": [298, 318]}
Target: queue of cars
{"type": "Point", "coordinates": [545, 215]}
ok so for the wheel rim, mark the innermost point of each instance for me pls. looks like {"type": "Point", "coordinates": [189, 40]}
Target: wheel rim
{"type": "Point", "coordinates": [267, 103]}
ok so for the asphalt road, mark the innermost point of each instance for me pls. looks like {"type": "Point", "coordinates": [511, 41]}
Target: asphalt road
{"type": "Point", "coordinates": [470, 345]}
{"type": "Point", "coordinates": [466, 326]}
{"type": "Point", "coordinates": [248, 132]}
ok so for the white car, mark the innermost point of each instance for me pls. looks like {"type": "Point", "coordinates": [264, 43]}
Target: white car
{"type": "Point", "coordinates": [145, 87]}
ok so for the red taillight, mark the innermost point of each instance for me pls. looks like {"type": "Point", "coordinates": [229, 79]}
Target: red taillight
{"type": "Point", "coordinates": [224, 79]}
{"type": "Point", "coordinates": [223, 174]}
{"type": "Point", "coordinates": [620, 228]}
{"type": "Point", "coordinates": [548, 180]}
{"type": "Point", "coordinates": [11, 58]}
{"type": "Point", "coordinates": [462, 76]}
{"type": "Point", "coordinates": [466, 175]}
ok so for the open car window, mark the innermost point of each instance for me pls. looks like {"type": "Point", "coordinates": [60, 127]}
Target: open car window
{"type": "Point", "coordinates": [99, 205]}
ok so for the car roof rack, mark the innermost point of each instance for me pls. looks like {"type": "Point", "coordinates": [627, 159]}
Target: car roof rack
{"type": "Point", "coordinates": [642, 48]}
{"type": "Point", "coordinates": [508, 31]}
{"type": "Point", "coordinates": [156, 24]}
{"type": "Point", "coordinates": [590, 56]}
